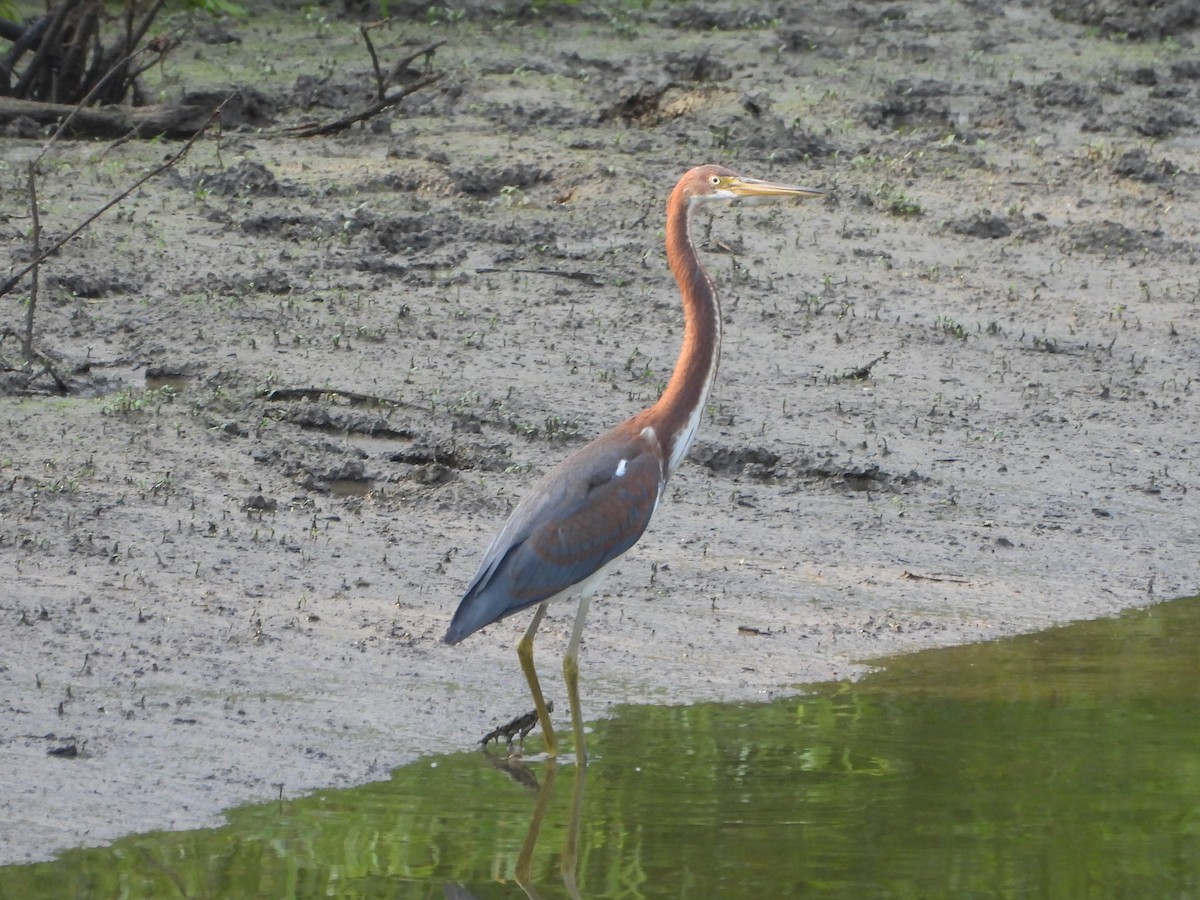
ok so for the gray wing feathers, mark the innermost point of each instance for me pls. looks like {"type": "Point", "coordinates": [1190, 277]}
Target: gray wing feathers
{"type": "Point", "coordinates": [588, 511]}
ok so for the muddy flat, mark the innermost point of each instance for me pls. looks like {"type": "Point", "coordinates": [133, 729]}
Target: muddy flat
{"type": "Point", "coordinates": [304, 380]}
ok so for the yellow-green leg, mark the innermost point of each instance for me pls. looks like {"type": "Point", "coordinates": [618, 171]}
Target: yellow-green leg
{"type": "Point", "coordinates": [525, 654]}
{"type": "Point", "coordinates": [571, 676]}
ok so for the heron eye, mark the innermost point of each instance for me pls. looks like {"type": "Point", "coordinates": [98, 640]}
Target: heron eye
{"type": "Point", "coordinates": [716, 180]}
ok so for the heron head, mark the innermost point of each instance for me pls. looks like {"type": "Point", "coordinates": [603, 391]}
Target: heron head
{"type": "Point", "coordinates": [707, 183]}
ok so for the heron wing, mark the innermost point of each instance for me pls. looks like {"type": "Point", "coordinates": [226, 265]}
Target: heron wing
{"type": "Point", "coordinates": [585, 513]}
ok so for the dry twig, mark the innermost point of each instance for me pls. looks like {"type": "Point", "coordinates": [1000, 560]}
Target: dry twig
{"type": "Point", "coordinates": [169, 162]}
{"type": "Point", "coordinates": [383, 100]}
{"type": "Point", "coordinates": [36, 242]}
{"type": "Point", "coordinates": [363, 114]}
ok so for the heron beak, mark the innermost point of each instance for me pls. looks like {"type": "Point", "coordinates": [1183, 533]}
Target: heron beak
{"type": "Point", "coordinates": [752, 187]}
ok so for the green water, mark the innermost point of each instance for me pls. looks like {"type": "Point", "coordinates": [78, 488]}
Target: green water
{"type": "Point", "coordinates": [1064, 764]}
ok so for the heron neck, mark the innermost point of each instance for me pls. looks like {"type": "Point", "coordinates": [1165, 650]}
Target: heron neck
{"type": "Point", "coordinates": [679, 410]}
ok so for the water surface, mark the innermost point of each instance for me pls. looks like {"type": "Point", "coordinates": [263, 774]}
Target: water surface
{"type": "Point", "coordinates": [1062, 764]}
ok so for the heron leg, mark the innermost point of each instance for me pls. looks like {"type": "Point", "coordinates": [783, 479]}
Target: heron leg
{"type": "Point", "coordinates": [571, 676]}
{"type": "Point", "coordinates": [525, 654]}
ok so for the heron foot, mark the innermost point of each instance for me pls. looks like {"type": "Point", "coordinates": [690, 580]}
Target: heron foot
{"type": "Point", "coordinates": [515, 730]}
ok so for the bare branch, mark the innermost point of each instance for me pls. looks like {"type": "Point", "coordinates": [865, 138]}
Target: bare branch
{"type": "Point", "coordinates": [407, 61]}
{"type": "Point", "coordinates": [123, 61]}
{"type": "Point", "coordinates": [380, 85]}
{"type": "Point", "coordinates": [36, 241]}
{"type": "Point", "coordinates": [173, 159]}
{"type": "Point", "coordinates": [365, 113]}
{"type": "Point", "coordinates": [68, 57]}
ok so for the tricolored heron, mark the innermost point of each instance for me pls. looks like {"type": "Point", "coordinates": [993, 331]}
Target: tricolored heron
{"type": "Point", "coordinates": [590, 509]}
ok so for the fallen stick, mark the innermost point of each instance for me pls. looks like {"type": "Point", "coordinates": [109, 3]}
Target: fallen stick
{"type": "Point", "coordinates": [110, 121]}
{"type": "Point", "coordinates": [367, 112]}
